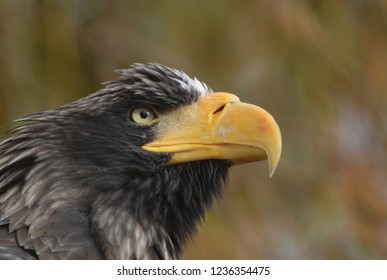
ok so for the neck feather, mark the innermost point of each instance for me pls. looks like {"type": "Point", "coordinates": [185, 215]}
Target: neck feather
{"type": "Point", "coordinates": [152, 217]}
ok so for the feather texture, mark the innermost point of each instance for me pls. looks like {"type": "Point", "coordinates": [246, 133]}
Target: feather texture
{"type": "Point", "coordinates": [76, 184]}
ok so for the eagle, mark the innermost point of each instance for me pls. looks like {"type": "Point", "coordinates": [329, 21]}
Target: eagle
{"type": "Point", "coordinates": [127, 172]}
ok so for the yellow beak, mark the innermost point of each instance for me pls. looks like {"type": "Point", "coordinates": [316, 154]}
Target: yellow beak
{"type": "Point", "coordinates": [218, 126]}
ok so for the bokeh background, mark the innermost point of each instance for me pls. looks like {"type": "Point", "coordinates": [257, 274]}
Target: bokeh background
{"type": "Point", "coordinates": [318, 66]}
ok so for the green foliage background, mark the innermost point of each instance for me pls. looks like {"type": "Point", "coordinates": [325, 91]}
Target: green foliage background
{"type": "Point", "coordinates": [318, 66]}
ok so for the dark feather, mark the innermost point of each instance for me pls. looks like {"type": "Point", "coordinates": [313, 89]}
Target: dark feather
{"type": "Point", "coordinates": [76, 184]}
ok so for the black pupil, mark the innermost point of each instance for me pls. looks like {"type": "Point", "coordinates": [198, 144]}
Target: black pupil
{"type": "Point", "coordinates": [144, 114]}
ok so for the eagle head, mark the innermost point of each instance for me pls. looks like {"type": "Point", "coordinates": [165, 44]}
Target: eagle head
{"type": "Point", "coordinates": [128, 171]}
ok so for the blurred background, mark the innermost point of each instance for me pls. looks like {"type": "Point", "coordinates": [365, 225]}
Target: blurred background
{"type": "Point", "coordinates": [319, 67]}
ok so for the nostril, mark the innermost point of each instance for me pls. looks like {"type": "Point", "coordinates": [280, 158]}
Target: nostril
{"type": "Point", "coordinates": [220, 109]}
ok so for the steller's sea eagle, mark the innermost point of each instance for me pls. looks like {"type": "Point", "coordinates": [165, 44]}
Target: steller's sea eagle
{"type": "Point", "coordinates": [128, 171]}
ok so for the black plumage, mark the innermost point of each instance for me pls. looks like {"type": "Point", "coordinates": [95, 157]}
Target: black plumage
{"type": "Point", "coordinates": [75, 182]}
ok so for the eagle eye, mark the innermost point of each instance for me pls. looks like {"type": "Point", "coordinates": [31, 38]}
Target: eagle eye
{"type": "Point", "coordinates": [143, 115]}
